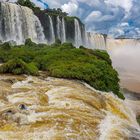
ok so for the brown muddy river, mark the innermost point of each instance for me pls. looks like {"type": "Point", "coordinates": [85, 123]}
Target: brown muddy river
{"type": "Point", "coordinates": [38, 108]}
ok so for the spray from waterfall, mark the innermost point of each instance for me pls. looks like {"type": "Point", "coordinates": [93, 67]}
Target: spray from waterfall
{"type": "Point", "coordinates": [96, 41]}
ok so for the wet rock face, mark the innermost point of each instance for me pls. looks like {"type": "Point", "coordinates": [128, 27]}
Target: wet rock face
{"type": "Point", "coordinates": [23, 107]}
{"type": "Point", "coordinates": [51, 108]}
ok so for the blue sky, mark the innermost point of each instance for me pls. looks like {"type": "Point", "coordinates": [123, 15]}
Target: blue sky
{"type": "Point", "coordinates": [114, 17]}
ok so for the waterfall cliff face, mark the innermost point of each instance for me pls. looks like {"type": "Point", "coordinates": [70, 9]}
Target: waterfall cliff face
{"type": "Point", "coordinates": [66, 30]}
{"type": "Point", "coordinates": [18, 23]}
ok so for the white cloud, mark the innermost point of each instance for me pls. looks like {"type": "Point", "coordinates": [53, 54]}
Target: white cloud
{"type": "Point", "coordinates": [70, 7]}
{"type": "Point", "coordinates": [93, 16]}
{"type": "Point", "coordinates": [126, 4]}
{"type": "Point", "coordinates": [124, 24]}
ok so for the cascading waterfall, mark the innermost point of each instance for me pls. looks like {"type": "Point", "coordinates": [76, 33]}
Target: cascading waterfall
{"type": "Point", "coordinates": [63, 30]}
{"type": "Point", "coordinates": [88, 40]}
{"type": "Point", "coordinates": [52, 40]}
{"type": "Point", "coordinates": [96, 41]}
{"type": "Point", "coordinates": [59, 27]}
{"type": "Point", "coordinates": [17, 23]}
{"type": "Point", "coordinates": [85, 39]}
{"type": "Point", "coordinates": [78, 34]}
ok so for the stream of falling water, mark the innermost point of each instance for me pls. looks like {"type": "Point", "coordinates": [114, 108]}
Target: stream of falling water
{"type": "Point", "coordinates": [17, 23]}
{"type": "Point", "coordinates": [37, 108]}
{"type": "Point", "coordinates": [63, 30]}
{"type": "Point", "coordinates": [51, 30]}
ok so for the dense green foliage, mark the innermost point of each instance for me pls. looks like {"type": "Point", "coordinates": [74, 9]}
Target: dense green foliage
{"type": "Point", "coordinates": [18, 66]}
{"type": "Point", "coordinates": [27, 3]}
{"type": "Point", "coordinates": [62, 60]}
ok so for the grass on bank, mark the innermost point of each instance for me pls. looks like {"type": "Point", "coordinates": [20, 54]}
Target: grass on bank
{"type": "Point", "coordinates": [18, 66]}
{"type": "Point", "coordinates": [63, 61]}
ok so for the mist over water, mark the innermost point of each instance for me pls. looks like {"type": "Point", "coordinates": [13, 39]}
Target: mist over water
{"type": "Point", "coordinates": [125, 58]}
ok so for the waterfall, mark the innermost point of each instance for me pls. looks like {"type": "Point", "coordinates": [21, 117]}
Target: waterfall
{"type": "Point", "coordinates": [78, 34]}
{"type": "Point", "coordinates": [85, 40]}
{"type": "Point", "coordinates": [59, 27]}
{"type": "Point", "coordinates": [52, 34]}
{"type": "Point", "coordinates": [63, 30]}
{"type": "Point", "coordinates": [96, 41]}
{"type": "Point", "coordinates": [17, 23]}
{"type": "Point", "coordinates": [88, 40]}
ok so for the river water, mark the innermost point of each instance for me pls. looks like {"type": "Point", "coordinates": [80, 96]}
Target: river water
{"type": "Point", "coordinates": [39, 108]}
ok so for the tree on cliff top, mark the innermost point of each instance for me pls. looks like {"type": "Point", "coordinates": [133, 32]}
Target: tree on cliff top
{"type": "Point", "coordinates": [27, 3]}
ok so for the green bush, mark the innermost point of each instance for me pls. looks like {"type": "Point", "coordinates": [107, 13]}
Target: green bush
{"type": "Point", "coordinates": [29, 43]}
{"type": "Point", "coordinates": [65, 61]}
{"type": "Point", "coordinates": [27, 3]}
{"type": "Point", "coordinates": [17, 66]}
{"type": "Point", "coordinates": [102, 55]}
{"type": "Point", "coordinates": [6, 46]}
{"type": "Point", "coordinates": [58, 41]}
{"type": "Point", "coordinates": [67, 46]}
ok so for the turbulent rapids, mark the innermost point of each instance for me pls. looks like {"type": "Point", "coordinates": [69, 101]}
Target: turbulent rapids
{"type": "Point", "coordinates": [56, 109]}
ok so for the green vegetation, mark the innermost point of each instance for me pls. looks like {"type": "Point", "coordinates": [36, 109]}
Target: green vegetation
{"type": "Point", "coordinates": [27, 3]}
{"type": "Point", "coordinates": [64, 61]}
{"type": "Point", "coordinates": [18, 66]}
{"type": "Point", "coordinates": [56, 12]}
{"type": "Point", "coordinates": [138, 119]}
